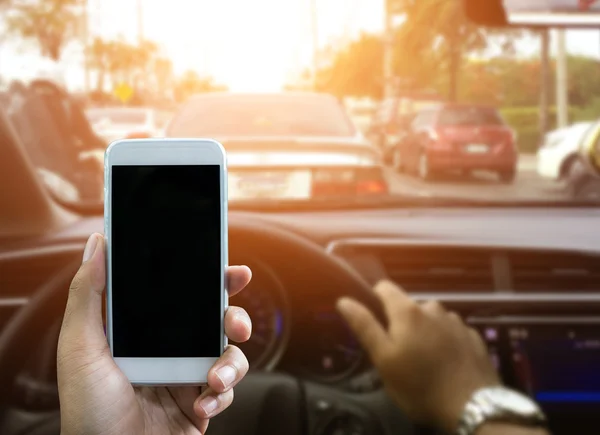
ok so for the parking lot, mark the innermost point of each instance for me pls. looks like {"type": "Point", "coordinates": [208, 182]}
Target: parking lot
{"type": "Point", "coordinates": [481, 185]}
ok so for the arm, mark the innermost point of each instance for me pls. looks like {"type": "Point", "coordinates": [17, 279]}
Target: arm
{"type": "Point", "coordinates": [508, 429]}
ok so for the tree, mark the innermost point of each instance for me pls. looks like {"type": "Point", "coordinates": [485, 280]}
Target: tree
{"type": "Point", "coordinates": [355, 71]}
{"type": "Point", "coordinates": [191, 83]}
{"type": "Point", "coordinates": [51, 23]}
{"type": "Point", "coordinates": [437, 34]}
{"type": "Point", "coordinates": [121, 61]}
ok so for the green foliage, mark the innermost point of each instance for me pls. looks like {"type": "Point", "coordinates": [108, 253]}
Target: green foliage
{"type": "Point", "coordinates": [51, 23]}
{"type": "Point", "coordinates": [121, 61]}
{"type": "Point", "coordinates": [191, 83]}
{"type": "Point", "coordinates": [525, 121]}
{"type": "Point", "coordinates": [355, 71]}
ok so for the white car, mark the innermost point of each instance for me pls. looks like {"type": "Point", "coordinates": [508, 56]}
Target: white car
{"type": "Point", "coordinates": [559, 150]}
{"type": "Point", "coordinates": [114, 123]}
{"type": "Point", "coordinates": [284, 146]}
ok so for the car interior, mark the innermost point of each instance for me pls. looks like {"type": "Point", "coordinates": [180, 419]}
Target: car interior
{"type": "Point", "coordinates": [525, 275]}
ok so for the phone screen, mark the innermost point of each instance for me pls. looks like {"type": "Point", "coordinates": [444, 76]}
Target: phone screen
{"type": "Point", "coordinates": [166, 261]}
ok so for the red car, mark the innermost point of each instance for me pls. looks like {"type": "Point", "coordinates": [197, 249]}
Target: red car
{"type": "Point", "coordinates": [458, 137]}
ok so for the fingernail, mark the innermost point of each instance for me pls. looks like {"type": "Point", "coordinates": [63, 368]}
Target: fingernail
{"type": "Point", "coordinates": [227, 375]}
{"type": "Point", "coordinates": [90, 247]}
{"type": "Point", "coordinates": [245, 320]}
{"type": "Point", "coordinates": [208, 404]}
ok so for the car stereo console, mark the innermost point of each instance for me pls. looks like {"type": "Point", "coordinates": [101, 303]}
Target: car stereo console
{"type": "Point", "coordinates": [555, 360]}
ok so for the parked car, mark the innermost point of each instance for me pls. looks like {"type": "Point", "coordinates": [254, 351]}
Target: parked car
{"type": "Point", "coordinates": [361, 112]}
{"type": "Point", "coordinates": [583, 179]}
{"type": "Point", "coordinates": [458, 137]}
{"type": "Point", "coordinates": [288, 145]}
{"type": "Point", "coordinates": [559, 151]}
{"type": "Point", "coordinates": [393, 118]}
{"type": "Point", "coordinates": [114, 123]}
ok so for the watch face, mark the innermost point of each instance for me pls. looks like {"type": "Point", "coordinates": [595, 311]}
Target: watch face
{"type": "Point", "coordinates": [512, 401]}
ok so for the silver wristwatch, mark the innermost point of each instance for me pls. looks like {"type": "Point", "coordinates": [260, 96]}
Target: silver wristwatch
{"type": "Point", "coordinates": [502, 405]}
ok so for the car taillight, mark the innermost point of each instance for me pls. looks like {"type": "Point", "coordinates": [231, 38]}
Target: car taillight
{"type": "Point", "coordinates": [348, 182]}
{"type": "Point", "coordinates": [371, 187]}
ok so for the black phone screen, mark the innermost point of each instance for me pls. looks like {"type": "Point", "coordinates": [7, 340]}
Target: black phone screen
{"type": "Point", "coordinates": [166, 261]}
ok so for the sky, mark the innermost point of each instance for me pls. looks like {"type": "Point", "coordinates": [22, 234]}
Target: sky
{"type": "Point", "coordinates": [247, 45]}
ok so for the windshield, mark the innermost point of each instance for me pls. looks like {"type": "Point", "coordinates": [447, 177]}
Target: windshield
{"type": "Point", "coordinates": [123, 117]}
{"type": "Point", "coordinates": [261, 115]}
{"type": "Point", "coordinates": [469, 116]}
{"type": "Point", "coordinates": [321, 108]}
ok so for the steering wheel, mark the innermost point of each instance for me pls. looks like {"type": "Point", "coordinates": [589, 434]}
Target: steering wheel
{"type": "Point", "coordinates": [265, 402]}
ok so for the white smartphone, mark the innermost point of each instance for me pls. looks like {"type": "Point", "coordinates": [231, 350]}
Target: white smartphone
{"type": "Point", "coordinates": [165, 223]}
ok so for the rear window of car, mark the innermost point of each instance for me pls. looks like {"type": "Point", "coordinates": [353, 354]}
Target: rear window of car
{"type": "Point", "coordinates": [262, 115]}
{"type": "Point", "coordinates": [469, 116]}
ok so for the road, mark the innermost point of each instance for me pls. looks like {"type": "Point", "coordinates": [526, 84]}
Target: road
{"type": "Point", "coordinates": [485, 186]}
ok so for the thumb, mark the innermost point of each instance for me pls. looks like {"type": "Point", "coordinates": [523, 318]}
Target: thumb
{"type": "Point", "coordinates": [82, 327]}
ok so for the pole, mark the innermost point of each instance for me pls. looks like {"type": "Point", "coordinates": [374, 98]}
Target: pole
{"type": "Point", "coordinates": [544, 81]}
{"type": "Point", "coordinates": [562, 96]}
{"type": "Point", "coordinates": [314, 27]}
{"type": "Point", "coordinates": [388, 52]}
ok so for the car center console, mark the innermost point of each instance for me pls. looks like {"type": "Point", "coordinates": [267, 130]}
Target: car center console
{"type": "Point", "coordinates": [555, 360]}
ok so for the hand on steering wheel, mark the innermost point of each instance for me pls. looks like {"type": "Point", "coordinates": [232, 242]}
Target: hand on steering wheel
{"type": "Point", "coordinates": [429, 360]}
{"type": "Point", "coordinates": [96, 397]}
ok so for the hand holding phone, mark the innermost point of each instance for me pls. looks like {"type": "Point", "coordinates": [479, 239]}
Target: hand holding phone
{"type": "Point", "coordinates": [96, 397]}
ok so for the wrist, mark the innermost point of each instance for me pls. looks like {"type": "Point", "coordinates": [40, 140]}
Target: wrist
{"type": "Point", "coordinates": [497, 405]}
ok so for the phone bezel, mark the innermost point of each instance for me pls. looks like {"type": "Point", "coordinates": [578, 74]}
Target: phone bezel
{"type": "Point", "coordinates": [165, 371]}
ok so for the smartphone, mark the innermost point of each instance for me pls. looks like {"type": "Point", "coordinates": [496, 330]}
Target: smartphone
{"type": "Point", "coordinates": [165, 222]}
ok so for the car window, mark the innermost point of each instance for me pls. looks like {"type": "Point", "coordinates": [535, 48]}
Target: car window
{"type": "Point", "coordinates": [469, 116]}
{"type": "Point", "coordinates": [263, 116]}
{"type": "Point", "coordinates": [423, 119]}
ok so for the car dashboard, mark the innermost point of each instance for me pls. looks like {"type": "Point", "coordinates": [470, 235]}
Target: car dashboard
{"type": "Point", "coordinates": [527, 279]}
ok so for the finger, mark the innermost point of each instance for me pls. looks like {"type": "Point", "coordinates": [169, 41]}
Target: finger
{"type": "Point", "coordinates": [228, 370]}
{"type": "Point", "coordinates": [186, 399]}
{"type": "Point", "coordinates": [238, 325]}
{"type": "Point", "coordinates": [477, 342]}
{"type": "Point", "coordinates": [393, 299]}
{"type": "Point", "coordinates": [434, 308]}
{"type": "Point", "coordinates": [366, 327]}
{"type": "Point", "coordinates": [238, 277]}
{"type": "Point", "coordinates": [82, 322]}
{"type": "Point", "coordinates": [211, 403]}
{"type": "Point", "coordinates": [455, 318]}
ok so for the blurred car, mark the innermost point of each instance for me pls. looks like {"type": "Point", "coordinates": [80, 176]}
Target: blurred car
{"type": "Point", "coordinates": [114, 123]}
{"type": "Point", "coordinates": [458, 137]}
{"type": "Point", "coordinates": [288, 145]}
{"type": "Point", "coordinates": [582, 180]}
{"type": "Point", "coordinates": [52, 127]}
{"type": "Point", "coordinates": [392, 120]}
{"type": "Point", "coordinates": [361, 112]}
{"type": "Point", "coordinates": [558, 153]}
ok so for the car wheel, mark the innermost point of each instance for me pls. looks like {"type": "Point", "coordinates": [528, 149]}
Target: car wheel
{"type": "Point", "coordinates": [397, 163]}
{"type": "Point", "coordinates": [507, 177]}
{"type": "Point", "coordinates": [423, 168]}
{"type": "Point", "coordinates": [569, 165]}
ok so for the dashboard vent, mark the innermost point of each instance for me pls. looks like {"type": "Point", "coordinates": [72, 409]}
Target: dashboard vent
{"type": "Point", "coordinates": [554, 272]}
{"type": "Point", "coordinates": [438, 270]}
